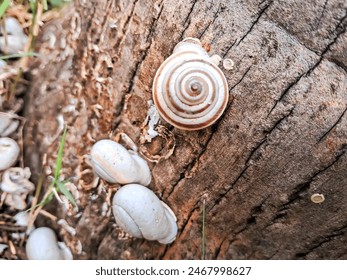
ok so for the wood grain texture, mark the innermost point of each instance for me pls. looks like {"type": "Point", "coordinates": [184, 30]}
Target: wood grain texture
{"type": "Point", "coordinates": [282, 138]}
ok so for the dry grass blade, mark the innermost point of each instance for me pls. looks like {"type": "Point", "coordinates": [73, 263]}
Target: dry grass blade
{"type": "Point", "coordinates": [3, 7]}
{"type": "Point", "coordinates": [203, 230]}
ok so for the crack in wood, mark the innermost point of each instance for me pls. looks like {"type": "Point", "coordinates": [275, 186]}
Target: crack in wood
{"type": "Point", "coordinates": [261, 12]}
{"type": "Point", "coordinates": [195, 160]}
{"type": "Point", "coordinates": [249, 158]}
{"type": "Point", "coordinates": [221, 196]}
{"type": "Point", "coordinates": [153, 26]}
{"type": "Point", "coordinates": [341, 25]}
{"type": "Point", "coordinates": [251, 220]}
{"type": "Point", "coordinates": [243, 76]}
{"type": "Point", "coordinates": [181, 177]}
{"type": "Point", "coordinates": [315, 65]}
{"type": "Point", "coordinates": [190, 12]}
{"type": "Point", "coordinates": [339, 64]}
{"type": "Point", "coordinates": [333, 126]}
{"type": "Point", "coordinates": [229, 48]}
{"type": "Point", "coordinates": [319, 243]}
{"type": "Point", "coordinates": [279, 121]}
{"type": "Point", "coordinates": [215, 16]}
{"type": "Point", "coordinates": [230, 243]}
{"type": "Point", "coordinates": [79, 53]}
{"type": "Point", "coordinates": [161, 256]}
{"type": "Point", "coordinates": [126, 25]}
{"type": "Point", "coordinates": [303, 187]}
{"type": "Point", "coordinates": [138, 63]}
{"type": "Point", "coordinates": [254, 212]}
{"type": "Point", "coordinates": [319, 18]}
{"type": "Point", "coordinates": [218, 249]}
{"type": "Point", "coordinates": [187, 19]}
{"type": "Point", "coordinates": [237, 42]}
{"type": "Point", "coordinates": [297, 194]}
{"type": "Point", "coordinates": [104, 24]}
{"type": "Point", "coordinates": [185, 223]}
{"type": "Point", "coordinates": [284, 93]}
{"type": "Point", "coordinates": [189, 216]}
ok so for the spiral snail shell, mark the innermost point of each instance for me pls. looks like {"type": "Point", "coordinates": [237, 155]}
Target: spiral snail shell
{"type": "Point", "coordinates": [189, 90]}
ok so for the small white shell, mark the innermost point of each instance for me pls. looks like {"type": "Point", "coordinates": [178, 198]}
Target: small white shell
{"type": "Point", "coordinates": [15, 182]}
{"type": "Point", "coordinates": [15, 39]}
{"type": "Point", "coordinates": [189, 90]}
{"type": "Point", "coordinates": [115, 164]}
{"type": "Point", "coordinates": [228, 64]}
{"type": "Point", "coordinates": [9, 152]}
{"type": "Point", "coordinates": [12, 27]}
{"type": "Point", "coordinates": [3, 66]}
{"type": "Point", "coordinates": [22, 219]}
{"type": "Point", "coordinates": [8, 125]}
{"type": "Point", "coordinates": [139, 212]}
{"type": "Point", "coordinates": [317, 198]}
{"type": "Point", "coordinates": [3, 247]}
{"type": "Point", "coordinates": [42, 244]}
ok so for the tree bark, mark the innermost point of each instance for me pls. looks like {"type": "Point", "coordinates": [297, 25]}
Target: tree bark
{"type": "Point", "coordinates": [282, 138]}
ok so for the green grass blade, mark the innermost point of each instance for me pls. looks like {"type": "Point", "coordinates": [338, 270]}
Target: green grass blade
{"type": "Point", "coordinates": [62, 188]}
{"type": "Point", "coordinates": [45, 5]}
{"type": "Point", "coordinates": [3, 7]}
{"type": "Point", "coordinates": [57, 3]}
{"type": "Point", "coordinates": [203, 231]}
{"type": "Point", "coordinates": [60, 156]}
{"type": "Point", "coordinates": [18, 55]}
{"type": "Point", "coordinates": [33, 5]}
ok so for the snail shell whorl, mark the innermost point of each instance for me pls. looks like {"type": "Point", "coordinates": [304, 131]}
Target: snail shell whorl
{"type": "Point", "coordinates": [189, 90]}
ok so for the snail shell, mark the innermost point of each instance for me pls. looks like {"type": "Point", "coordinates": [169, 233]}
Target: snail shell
{"type": "Point", "coordinates": [8, 125]}
{"type": "Point", "coordinates": [189, 90]}
{"type": "Point", "coordinates": [15, 182]}
{"type": "Point", "coordinates": [139, 212]}
{"type": "Point", "coordinates": [42, 244]}
{"type": "Point", "coordinates": [15, 40]}
{"type": "Point", "coordinates": [22, 219]}
{"type": "Point", "coordinates": [9, 152]}
{"type": "Point", "coordinates": [115, 164]}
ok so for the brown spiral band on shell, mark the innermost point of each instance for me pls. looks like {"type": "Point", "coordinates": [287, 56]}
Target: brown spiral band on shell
{"type": "Point", "coordinates": [189, 91]}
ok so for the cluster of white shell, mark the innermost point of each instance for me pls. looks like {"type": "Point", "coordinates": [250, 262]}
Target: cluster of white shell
{"type": "Point", "coordinates": [14, 184]}
{"type": "Point", "coordinates": [189, 90]}
{"type": "Point", "coordinates": [137, 210]}
{"type": "Point", "coordinates": [15, 187]}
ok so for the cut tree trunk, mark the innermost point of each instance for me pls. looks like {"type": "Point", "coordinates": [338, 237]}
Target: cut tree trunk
{"type": "Point", "coordinates": [282, 138]}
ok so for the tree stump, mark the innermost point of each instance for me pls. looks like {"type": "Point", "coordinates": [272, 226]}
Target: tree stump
{"type": "Point", "coordinates": [282, 138]}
